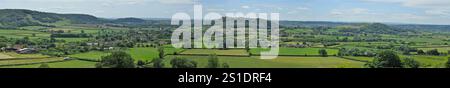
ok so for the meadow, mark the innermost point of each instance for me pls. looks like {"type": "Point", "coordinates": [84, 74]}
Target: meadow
{"type": "Point", "coordinates": [280, 62]}
{"type": "Point", "coordinates": [235, 52]}
{"type": "Point", "coordinates": [296, 51]}
{"type": "Point", "coordinates": [64, 64]}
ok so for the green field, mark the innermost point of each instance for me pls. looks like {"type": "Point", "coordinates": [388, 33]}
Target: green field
{"type": "Point", "coordinates": [65, 64]}
{"type": "Point", "coordinates": [280, 62]}
{"type": "Point", "coordinates": [94, 55]}
{"type": "Point", "coordinates": [360, 58]}
{"type": "Point", "coordinates": [10, 33]}
{"type": "Point", "coordinates": [136, 53]}
{"type": "Point", "coordinates": [440, 49]}
{"type": "Point", "coordinates": [429, 61]}
{"type": "Point", "coordinates": [15, 55]}
{"type": "Point", "coordinates": [73, 39]}
{"type": "Point", "coordinates": [29, 61]}
{"type": "Point", "coordinates": [237, 52]}
{"type": "Point", "coordinates": [296, 51]}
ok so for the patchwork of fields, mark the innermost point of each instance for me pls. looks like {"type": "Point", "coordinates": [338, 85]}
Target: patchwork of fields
{"type": "Point", "coordinates": [289, 57]}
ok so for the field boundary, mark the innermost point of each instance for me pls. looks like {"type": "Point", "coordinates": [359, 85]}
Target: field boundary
{"type": "Point", "coordinates": [352, 59]}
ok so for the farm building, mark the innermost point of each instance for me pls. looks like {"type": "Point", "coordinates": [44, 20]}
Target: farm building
{"type": "Point", "coordinates": [26, 51]}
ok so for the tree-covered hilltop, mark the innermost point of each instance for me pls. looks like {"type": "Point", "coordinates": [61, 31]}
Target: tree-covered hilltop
{"type": "Point", "coordinates": [12, 18]}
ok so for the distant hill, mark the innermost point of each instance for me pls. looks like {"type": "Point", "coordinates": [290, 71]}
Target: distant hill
{"type": "Point", "coordinates": [378, 28]}
{"type": "Point", "coordinates": [12, 18]}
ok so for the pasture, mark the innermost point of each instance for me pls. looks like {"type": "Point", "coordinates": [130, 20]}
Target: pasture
{"type": "Point", "coordinates": [295, 51]}
{"type": "Point", "coordinates": [280, 62]}
{"type": "Point", "coordinates": [234, 52]}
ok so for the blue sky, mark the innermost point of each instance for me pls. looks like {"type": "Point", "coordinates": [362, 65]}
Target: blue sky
{"type": "Point", "coordinates": [395, 11]}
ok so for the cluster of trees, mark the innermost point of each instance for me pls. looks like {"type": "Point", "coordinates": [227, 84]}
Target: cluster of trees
{"type": "Point", "coordinates": [434, 52]}
{"type": "Point", "coordinates": [117, 59]}
{"type": "Point", "coordinates": [389, 59]}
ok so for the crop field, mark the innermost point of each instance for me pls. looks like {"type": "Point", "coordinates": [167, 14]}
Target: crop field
{"type": "Point", "coordinates": [94, 55]}
{"type": "Point", "coordinates": [136, 53]}
{"type": "Point", "coordinates": [280, 62]}
{"type": "Point", "coordinates": [296, 51]}
{"type": "Point", "coordinates": [73, 39]}
{"type": "Point", "coordinates": [15, 55]}
{"type": "Point", "coordinates": [236, 52]}
{"type": "Point", "coordinates": [29, 61]}
{"type": "Point", "coordinates": [65, 64]}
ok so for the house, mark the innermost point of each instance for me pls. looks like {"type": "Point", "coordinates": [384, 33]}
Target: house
{"type": "Point", "coordinates": [26, 51]}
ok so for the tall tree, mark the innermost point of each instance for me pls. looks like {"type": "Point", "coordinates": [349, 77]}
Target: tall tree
{"type": "Point", "coordinates": [117, 59]}
{"type": "Point", "coordinates": [323, 53]}
{"type": "Point", "coordinates": [158, 63]}
{"type": "Point", "coordinates": [213, 61]}
{"type": "Point", "coordinates": [411, 63]}
{"type": "Point", "coordinates": [385, 59]}
{"type": "Point", "coordinates": [183, 63]}
{"type": "Point", "coordinates": [447, 64]}
{"type": "Point", "coordinates": [161, 51]}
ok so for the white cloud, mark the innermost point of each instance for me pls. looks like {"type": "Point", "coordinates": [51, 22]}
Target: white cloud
{"type": "Point", "coordinates": [431, 7]}
{"type": "Point", "coordinates": [245, 7]}
{"type": "Point", "coordinates": [353, 11]}
{"type": "Point", "coordinates": [302, 8]}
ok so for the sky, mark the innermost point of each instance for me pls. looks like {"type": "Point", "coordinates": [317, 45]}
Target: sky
{"type": "Point", "coordinates": [392, 11]}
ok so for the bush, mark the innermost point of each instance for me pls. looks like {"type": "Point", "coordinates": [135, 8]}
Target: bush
{"type": "Point", "coordinates": [117, 59]}
{"type": "Point", "coordinates": [411, 63]}
{"type": "Point", "coordinates": [385, 59]}
{"type": "Point", "coordinates": [447, 65]}
{"type": "Point", "coordinates": [183, 63]}
{"type": "Point", "coordinates": [44, 65]}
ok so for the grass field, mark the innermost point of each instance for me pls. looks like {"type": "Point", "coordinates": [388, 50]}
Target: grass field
{"type": "Point", "coordinates": [73, 39]}
{"type": "Point", "coordinates": [143, 53]}
{"type": "Point", "coordinates": [296, 51]}
{"type": "Point", "coordinates": [5, 56]}
{"type": "Point", "coordinates": [441, 49]}
{"type": "Point", "coordinates": [65, 64]}
{"type": "Point", "coordinates": [95, 55]}
{"type": "Point", "coordinates": [360, 58]}
{"type": "Point", "coordinates": [136, 53]}
{"type": "Point", "coordinates": [28, 61]}
{"type": "Point", "coordinates": [22, 33]}
{"type": "Point", "coordinates": [429, 61]}
{"type": "Point", "coordinates": [238, 52]}
{"type": "Point", "coordinates": [280, 62]}
{"type": "Point", "coordinates": [15, 55]}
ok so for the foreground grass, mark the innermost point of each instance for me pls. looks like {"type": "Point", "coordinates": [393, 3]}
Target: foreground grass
{"type": "Point", "coordinates": [280, 62]}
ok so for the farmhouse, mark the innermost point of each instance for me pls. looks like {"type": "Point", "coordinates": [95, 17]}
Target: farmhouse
{"type": "Point", "coordinates": [26, 51]}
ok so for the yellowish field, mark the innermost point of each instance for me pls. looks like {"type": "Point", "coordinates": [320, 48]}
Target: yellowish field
{"type": "Point", "coordinates": [4, 56]}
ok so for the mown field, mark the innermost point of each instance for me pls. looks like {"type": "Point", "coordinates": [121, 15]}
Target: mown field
{"type": "Point", "coordinates": [280, 62]}
{"type": "Point", "coordinates": [136, 53]}
{"type": "Point", "coordinates": [10, 33]}
{"type": "Point", "coordinates": [235, 52]}
{"type": "Point", "coordinates": [65, 64]}
{"type": "Point", "coordinates": [296, 51]}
